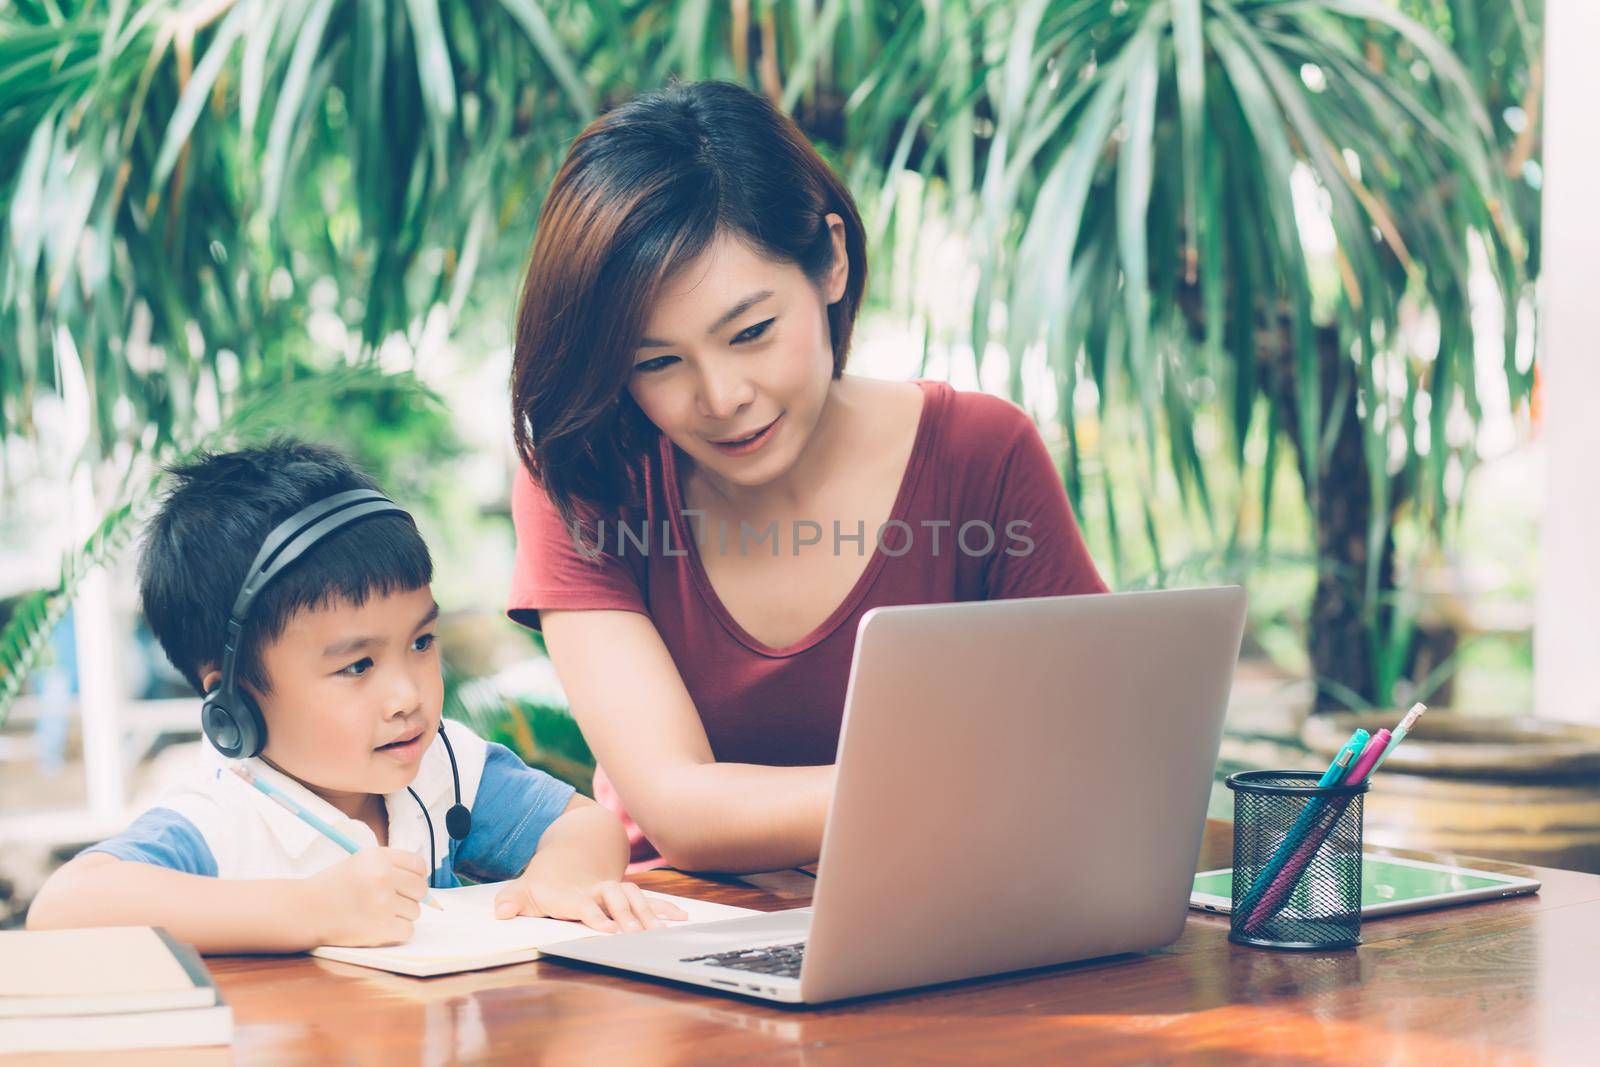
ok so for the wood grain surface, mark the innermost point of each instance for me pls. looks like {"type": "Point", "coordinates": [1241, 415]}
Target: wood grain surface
{"type": "Point", "coordinates": [1509, 982]}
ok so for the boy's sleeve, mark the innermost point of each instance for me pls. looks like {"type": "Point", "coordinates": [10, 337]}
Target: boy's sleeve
{"type": "Point", "coordinates": [514, 806]}
{"type": "Point", "coordinates": [163, 838]}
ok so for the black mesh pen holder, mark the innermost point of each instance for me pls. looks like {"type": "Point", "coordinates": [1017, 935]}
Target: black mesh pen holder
{"type": "Point", "coordinates": [1296, 861]}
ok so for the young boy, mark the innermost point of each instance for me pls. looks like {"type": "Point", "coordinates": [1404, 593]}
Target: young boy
{"type": "Point", "coordinates": [338, 652]}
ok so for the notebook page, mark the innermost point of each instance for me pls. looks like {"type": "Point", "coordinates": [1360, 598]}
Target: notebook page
{"type": "Point", "coordinates": [467, 930]}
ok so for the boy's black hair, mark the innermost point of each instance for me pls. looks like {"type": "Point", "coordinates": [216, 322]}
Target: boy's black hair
{"type": "Point", "coordinates": [209, 528]}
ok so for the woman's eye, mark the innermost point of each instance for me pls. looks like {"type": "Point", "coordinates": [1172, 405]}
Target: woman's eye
{"type": "Point", "coordinates": [658, 363]}
{"type": "Point", "coordinates": [358, 668]}
{"type": "Point", "coordinates": [753, 333]}
{"type": "Point", "coordinates": [423, 643]}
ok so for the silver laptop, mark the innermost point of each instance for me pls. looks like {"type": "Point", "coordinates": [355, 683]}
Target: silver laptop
{"type": "Point", "coordinates": [1021, 783]}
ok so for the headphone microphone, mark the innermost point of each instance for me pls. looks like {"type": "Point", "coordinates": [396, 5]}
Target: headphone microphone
{"type": "Point", "coordinates": [230, 717]}
{"type": "Point", "coordinates": [458, 820]}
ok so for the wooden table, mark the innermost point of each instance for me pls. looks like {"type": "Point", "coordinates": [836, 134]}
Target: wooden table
{"type": "Point", "coordinates": [1510, 982]}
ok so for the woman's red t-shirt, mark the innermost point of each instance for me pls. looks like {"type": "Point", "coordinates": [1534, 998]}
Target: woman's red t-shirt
{"type": "Point", "coordinates": [977, 460]}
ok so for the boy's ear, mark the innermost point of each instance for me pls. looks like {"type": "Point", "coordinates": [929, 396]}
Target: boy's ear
{"type": "Point", "coordinates": [210, 677]}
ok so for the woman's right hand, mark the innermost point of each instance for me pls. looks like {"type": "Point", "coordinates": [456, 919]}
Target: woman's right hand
{"type": "Point", "coordinates": [370, 898]}
{"type": "Point", "coordinates": [630, 701]}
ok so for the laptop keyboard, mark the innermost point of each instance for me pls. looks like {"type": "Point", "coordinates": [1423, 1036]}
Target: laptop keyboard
{"type": "Point", "coordinates": [780, 960]}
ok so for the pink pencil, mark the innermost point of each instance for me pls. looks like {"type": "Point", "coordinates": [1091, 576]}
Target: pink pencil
{"type": "Point", "coordinates": [1284, 884]}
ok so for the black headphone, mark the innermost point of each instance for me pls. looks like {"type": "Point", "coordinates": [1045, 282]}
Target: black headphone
{"type": "Point", "coordinates": [230, 717]}
{"type": "Point", "coordinates": [457, 821]}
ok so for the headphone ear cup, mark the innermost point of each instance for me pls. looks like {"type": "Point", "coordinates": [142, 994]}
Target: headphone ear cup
{"type": "Point", "coordinates": [219, 725]}
{"type": "Point", "coordinates": [236, 728]}
{"type": "Point", "coordinates": [252, 727]}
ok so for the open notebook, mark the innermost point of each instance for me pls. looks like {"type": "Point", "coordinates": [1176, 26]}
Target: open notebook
{"type": "Point", "coordinates": [466, 936]}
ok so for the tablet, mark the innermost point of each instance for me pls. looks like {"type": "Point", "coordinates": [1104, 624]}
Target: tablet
{"type": "Point", "coordinates": [1389, 885]}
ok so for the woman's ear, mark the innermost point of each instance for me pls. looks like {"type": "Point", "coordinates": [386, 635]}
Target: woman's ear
{"type": "Point", "coordinates": [839, 273]}
{"type": "Point", "coordinates": [210, 677]}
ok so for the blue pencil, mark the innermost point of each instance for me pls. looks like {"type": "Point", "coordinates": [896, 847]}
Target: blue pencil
{"type": "Point", "coordinates": [316, 823]}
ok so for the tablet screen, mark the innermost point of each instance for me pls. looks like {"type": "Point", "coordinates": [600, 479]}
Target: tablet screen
{"type": "Point", "coordinates": [1382, 882]}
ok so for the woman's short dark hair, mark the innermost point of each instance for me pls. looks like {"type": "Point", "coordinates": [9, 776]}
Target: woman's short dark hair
{"type": "Point", "coordinates": [644, 190]}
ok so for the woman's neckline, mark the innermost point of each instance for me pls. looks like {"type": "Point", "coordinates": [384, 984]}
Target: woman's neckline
{"type": "Point", "coordinates": [933, 396]}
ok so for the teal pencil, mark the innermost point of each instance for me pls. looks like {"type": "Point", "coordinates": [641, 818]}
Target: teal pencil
{"type": "Point", "coordinates": [1400, 731]}
{"type": "Point", "coordinates": [321, 826]}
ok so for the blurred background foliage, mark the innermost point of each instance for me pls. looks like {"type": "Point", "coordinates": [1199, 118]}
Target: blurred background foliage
{"type": "Point", "coordinates": [1240, 257]}
{"type": "Point", "coordinates": [541, 732]}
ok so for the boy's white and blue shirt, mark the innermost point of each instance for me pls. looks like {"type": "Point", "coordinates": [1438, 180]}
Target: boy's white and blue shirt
{"type": "Point", "coordinates": [215, 823]}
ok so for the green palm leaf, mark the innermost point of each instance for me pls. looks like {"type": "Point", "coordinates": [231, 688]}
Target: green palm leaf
{"type": "Point", "coordinates": [1134, 178]}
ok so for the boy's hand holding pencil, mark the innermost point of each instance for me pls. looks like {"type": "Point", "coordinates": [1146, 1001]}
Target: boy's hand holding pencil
{"type": "Point", "coordinates": [372, 897]}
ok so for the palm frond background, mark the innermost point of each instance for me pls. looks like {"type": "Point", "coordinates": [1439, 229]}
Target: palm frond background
{"type": "Point", "coordinates": [1234, 238]}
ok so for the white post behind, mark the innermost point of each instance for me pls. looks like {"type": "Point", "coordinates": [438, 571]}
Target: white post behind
{"type": "Point", "coordinates": [100, 694]}
{"type": "Point", "coordinates": [1567, 621]}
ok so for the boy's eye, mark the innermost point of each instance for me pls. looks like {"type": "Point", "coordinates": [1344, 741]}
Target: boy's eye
{"type": "Point", "coordinates": [358, 668]}
{"type": "Point", "coordinates": [423, 643]}
{"type": "Point", "coordinates": [754, 332]}
{"type": "Point", "coordinates": [658, 363]}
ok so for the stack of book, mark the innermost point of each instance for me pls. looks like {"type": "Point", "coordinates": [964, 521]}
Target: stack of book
{"type": "Point", "coordinates": [120, 987]}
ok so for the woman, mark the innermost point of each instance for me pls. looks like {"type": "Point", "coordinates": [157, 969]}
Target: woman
{"type": "Point", "coordinates": [709, 503]}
